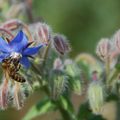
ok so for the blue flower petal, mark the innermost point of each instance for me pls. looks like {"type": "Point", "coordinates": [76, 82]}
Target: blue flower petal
{"type": "Point", "coordinates": [32, 50]}
{"type": "Point", "coordinates": [1, 59]}
{"type": "Point", "coordinates": [3, 56]}
{"type": "Point", "coordinates": [4, 47]}
{"type": "Point", "coordinates": [19, 42]}
{"type": "Point", "coordinates": [25, 62]}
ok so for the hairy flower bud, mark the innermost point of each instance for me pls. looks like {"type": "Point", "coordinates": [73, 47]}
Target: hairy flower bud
{"type": "Point", "coordinates": [59, 85]}
{"type": "Point", "coordinates": [12, 24]}
{"type": "Point", "coordinates": [61, 44]}
{"type": "Point", "coordinates": [104, 49]}
{"type": "Point", "coordinates": [42, 33]}
{"type": "Point", "coordinates": [117, 39]}
{"type": "Point", "coordinates": [96, 96]}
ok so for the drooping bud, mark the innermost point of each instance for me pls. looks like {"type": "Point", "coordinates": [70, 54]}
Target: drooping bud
{"type": "Point", "coordinates": [96, 96]}
{"type": "Point", "coordinates": [104, 49]}
{"type": "Point", "coordinates": [15, 25]}
{"type": "Point", "coordinates": [42, 33]}
{"type": "Point", "coordinates": [61, 44]}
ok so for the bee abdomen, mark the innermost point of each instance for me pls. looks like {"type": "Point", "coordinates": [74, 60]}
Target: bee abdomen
{"type": "Point", "coordinates": [17, 77]}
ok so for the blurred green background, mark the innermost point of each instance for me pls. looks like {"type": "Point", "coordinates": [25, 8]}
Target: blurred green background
{"type": "Point", "coordinates": [84, 22]}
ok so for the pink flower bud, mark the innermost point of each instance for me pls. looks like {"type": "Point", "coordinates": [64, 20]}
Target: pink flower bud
{"type": "Point", "coordinates": [42, 32]}
{"type": "Point", "coordinates": [116, 45]}
{"type": "Point", "coordinates": [12, 24]}
{"type": "Point", "coordinates": [117, 39]}
{"type": "Point", "coordinates": [61, 45]}
{"type": "Point", "coordinates": [104, 48]}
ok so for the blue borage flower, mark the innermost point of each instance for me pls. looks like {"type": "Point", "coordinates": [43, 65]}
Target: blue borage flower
{"type": "Point", "coordinates": [18, 45]}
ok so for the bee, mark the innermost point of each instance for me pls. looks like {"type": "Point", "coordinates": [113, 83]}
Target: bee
{"type": "Point", "coordinates": [12, 66]}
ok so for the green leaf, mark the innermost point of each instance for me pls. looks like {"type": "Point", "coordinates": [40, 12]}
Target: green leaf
{"type": "Point", "coordinates": [41, 108]}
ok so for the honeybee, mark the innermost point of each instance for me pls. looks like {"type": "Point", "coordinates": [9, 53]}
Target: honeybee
{"type": "Point", "coordinates": [12, 66]}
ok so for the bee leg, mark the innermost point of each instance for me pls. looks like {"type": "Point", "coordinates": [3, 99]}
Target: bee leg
{"type": "Point", "coordinates": [18, 67]}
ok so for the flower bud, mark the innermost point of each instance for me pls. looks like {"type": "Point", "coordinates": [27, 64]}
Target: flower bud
{"type": "Point", "coordinates": [96, 96]}
{"type": "Point", "coordinates": [117, 39]}
{"type": "Point", "coordinates": [12, 24]}
{"type": "Point", "coordinates": [59, 85]}
{"type": "Point", "coordinates": [104, 49]}
{"type": "Point", "coordinates": [61, 44]}
{"type": "Point", "coordinates": [42, 33]}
